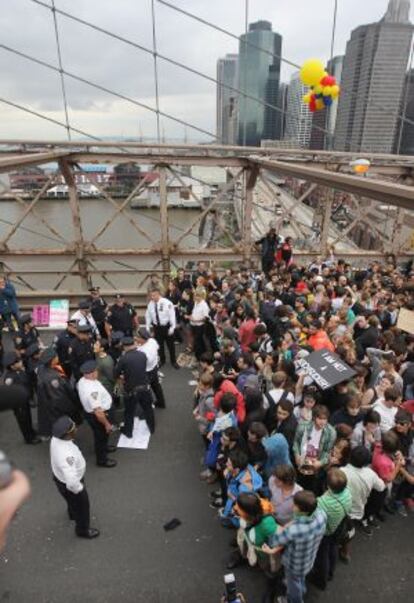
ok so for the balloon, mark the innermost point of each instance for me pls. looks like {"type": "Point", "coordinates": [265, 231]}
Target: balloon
{"type": "Point", "coordinates": [327, 101]}
{"type": "Point", "coordinates": [335, 90]}
{"type": "Point", "coordinates": [319, 104]}
{"type": "Point", "coordinates": [307, 98]}
{"type": "Point", "coordinates": [318, 89]}
{"type": "Point", "coordinates": [312, 104]}
{"type": "Point", "coordinates": [330, 81]}
{"type": "Point", "coordinates": [327, 91]}
{"type": "Point", "coordinates": [312, 72]}
{"type": "Point", "coordinates": [325, 80]}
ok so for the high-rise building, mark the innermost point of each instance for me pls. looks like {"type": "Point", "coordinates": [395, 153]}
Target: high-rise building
{"type": "Point", "coordinates": [259, 76]}
{"type": "Point", "coordinates": [323, 122]}
{"type": "Point", "coordinates": [298, 117]}
{"type": "Point", "coordinates": [226, 129]}
{"type": "Point", "coordinates": [405, 140]}
{"type": "Point", "coordinates": [373, 79]}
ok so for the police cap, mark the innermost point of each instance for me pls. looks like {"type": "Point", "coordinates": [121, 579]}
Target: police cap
{"type": "Point", "coordinates": [143, 333]}
{"type": "Point", "coordinates": [25, 318]}
{"type": "Point", "coordinates": [128, 341]}
{"type": "Point", "coordinates": [84, 305]}
{"type": "Point", "coordinates": [88, 367]}
{"type": "Point", "coordinates": [117, 336]}
{"type": "Point", "coordinates": [84, 328]}
{"type": "Point", "coordinates": [62, 426]}
{"type": "Point", "coordinates": [48, 355]}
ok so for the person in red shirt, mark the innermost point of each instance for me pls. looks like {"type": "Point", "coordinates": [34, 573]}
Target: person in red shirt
{"type": "Point", "coordinates": [246, 330]}
{"type": "Point", "coordinates": [221, 386]}
{"type": "Point", "coordinates": [318, 338]}
{"type": "Point", "coordinates": [387, 462]}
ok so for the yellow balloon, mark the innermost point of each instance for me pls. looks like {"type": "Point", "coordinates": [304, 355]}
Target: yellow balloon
{"type": "Point", "coordinates": [312, 72]}
{"type": "Point", "coordinates": [335, 90]}
{"type": "Point", "coordinates": [327, 91]}
{"type": "Point", "coordinates": [307, 98]}
{"type": "Point", "coordinates": [318, 89]}
{"type": "Point", "coordinates": [320, 104]}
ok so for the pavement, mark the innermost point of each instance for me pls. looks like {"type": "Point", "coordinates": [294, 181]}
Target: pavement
{"type": "Point", "coordinates": [135, 560]}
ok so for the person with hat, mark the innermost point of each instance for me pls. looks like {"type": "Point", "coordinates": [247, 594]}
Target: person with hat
{"type": "Point", "coordinates": [32, 364]}
{"type": "Point", "coordinates": [63, 343]}
{"type": "Point", "coordinates": [16, 375]}
{"type": "Point", "coordinates": [115, 345]}
{"type": "Point", "coordinates": [68, 468]}
{"type": "Point", "coordinates": [56, 396]}
{"type": "Point", "coordinates": [150, 347]}
{"type": "Point", "coordinates": [96, 402]}
{"type": "Point", "coordinates": [81, 349]}
{"type": "Point", "coordinates": [132, 366]}
{"type": "Point", "coordinates": [99, 309]}
{"type": "Point", "coordinates": [84, 317]}
{"type": "Point", "coordinates": [26, 335]}
{"type": "Point", "coordinates": [160, 316]}
{"type": "Point", "coordinates": [121, 317]}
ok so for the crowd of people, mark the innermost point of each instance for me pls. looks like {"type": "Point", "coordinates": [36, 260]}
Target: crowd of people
{"type": "Point", "coordinates": [297, 470]}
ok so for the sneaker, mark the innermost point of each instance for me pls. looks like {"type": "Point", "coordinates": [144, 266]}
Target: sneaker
{"type": "Point", "coordinates": [216, 504]}
{"type": "Point", "coordinates": [215, 494]}
{"type": "Point", "coordinates": [366, 528]}
{"type": "Point", "coordinates": [373, 523]}
{"type": "Point", "coordinates": [193, 383]}
{"type": "Point", "coordinates": [213, 478]}
{"type": "Point", "coordinates": [205, 474]}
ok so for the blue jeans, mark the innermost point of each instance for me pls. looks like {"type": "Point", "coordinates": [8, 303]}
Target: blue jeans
{"type": "Point", "coordinates": [296, 587]}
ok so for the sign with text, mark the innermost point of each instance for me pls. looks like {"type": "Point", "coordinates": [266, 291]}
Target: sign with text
{"type": "Point", "coordinates": [406, 321]}
{"type": "Point", "coordinates": [326, 368]}
{"type": "Point", "coordinates": [40, 315]}
{"type": "Point", "coordinates": [58, 313]}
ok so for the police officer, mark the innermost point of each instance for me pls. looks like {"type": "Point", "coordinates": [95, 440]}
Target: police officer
{"type": "Point", "coordinates": [56, 396]}
{"type": "Point", "coordinates": [26, 335]}
{"type": "Point", "coordinates": [32, 364]}
{"type": "Point", "coordinates": [121, 317]}
{"type": "Point", "coordinates": [115, 347]}
{"type": "Point", "coordinates": [150, 347]}
{"type": "Point", "coordinates": [96, 402]}
{"type": "Point", "coordinates": [99, 308]}
{"type": "Point", "coordinates": [16, 375]}
{"type": "Point", "coordinates": [68, 468]}
{"type": "Point", "coordinates": [81, 350]}
{"type": "Point", "coordinates": [132, 366]}
{"type": "Point", "coordinates": [160, 316]}
{"type": "Point", "coordinates": [84, 317]}
{"type": "Point", "coordinates": [63, 344]}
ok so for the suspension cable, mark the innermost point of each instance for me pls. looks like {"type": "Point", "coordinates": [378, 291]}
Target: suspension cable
{"type": "Point", "coordinates": [62, 79]}
{"type": "Point", "coordinates": [154, 54]}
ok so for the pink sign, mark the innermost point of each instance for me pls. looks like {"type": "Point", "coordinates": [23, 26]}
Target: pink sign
{"type": "Point", "coordinates": [40, 315]}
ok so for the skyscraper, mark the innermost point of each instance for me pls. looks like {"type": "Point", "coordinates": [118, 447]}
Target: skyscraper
{"type": "Point", "coordinates": [373, 79]}
{"type": "Point", "coordinates": [259, 76]}
{"type": "Point", "coordinates": [226, 129]}
{"type": "Point", "coordinates": [323, 122]}
{"type": "Point", "coordinates": [405, 140]}
{"type": "Point", "coordinates": [298, 118]}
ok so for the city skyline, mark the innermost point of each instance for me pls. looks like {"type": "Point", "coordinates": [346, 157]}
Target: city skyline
{"type": "Point", "coordinates": [124, 69]}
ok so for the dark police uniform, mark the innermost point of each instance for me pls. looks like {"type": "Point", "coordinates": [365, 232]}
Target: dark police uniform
{"type": "Point", "coordinates": [121, 318]}
{"type": "Point", "coordinates": [22, 412]}
{"type": "Point", "coordinates": [80, 352]}
{"type": "Point", "coordinates": [98, 310]}
{"type": "Point", "coordinates": [56, 398]}
{"type": "Point", "coordinates": [63, 344]}
{"type": "Point", "coordinates": [23, 339]}
{"type": "Point", "coordinates": [133, 366]}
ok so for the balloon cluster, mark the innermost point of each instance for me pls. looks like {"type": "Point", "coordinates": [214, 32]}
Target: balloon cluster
{"type": "Point", "coordinates": [323, 87]}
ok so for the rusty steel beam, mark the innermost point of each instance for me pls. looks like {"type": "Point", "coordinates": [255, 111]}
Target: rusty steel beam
{"type": "Point", "coordinates": [387, 192]}
{"type": "Point", "coordinates": [14, 163]}
{"type": "Point", "coordinates": [152, 157]}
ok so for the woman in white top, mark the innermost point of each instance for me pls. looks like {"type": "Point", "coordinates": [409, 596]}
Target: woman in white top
{"type": "Point", "coordinates": [199, 315]}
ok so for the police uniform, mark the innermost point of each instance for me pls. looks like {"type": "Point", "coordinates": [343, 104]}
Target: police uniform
{"type": "Point", "coordinates": [160, 316]}
{"type": "Point", "coordinates": [93, 396]}
{"type": "Point", "coordinates": [63, 344]}
{"type": "Point", "coordinates": [122, 318]}
{"type": "Point", "coordinates": [22, 412]}
{"type": "Point", "coordinates": [23, 339]}
{"type": "Point", "coordinates": [133, 366]}
{"type": "Point", "coordinates": [32, 365]}
{"type": "Point", "coordinates": [98, 310]}
{"type": "Point", "coordinates": [81, 351]}
{"type": "Point", "coordinates": [150, 349]}
{"type": "Point", "coordinates": [56, 397]}
{"type": "Point", "coordinates": [83, 319]}
{"type": "Point", "coordinates": [68, 468]}
{"type": "Point", "coordinates": [115, 349]}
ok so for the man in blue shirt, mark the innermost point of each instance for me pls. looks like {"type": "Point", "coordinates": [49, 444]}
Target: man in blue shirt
{"type": "Point", "coordinates": [299, 541]}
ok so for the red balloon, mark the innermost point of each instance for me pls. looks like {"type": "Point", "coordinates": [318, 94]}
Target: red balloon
{"type": "Point", "coordinates": [312, 104]}
{"type": "Point", "coordinates": [325, 80]}
{"type": "Point", "coordinates": [330, 80]}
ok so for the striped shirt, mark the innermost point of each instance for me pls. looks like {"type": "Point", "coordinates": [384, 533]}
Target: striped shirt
{"type": "Point", "coordinates": [336, 506]}
{"type": "Point", "coordinates": [301, 539]}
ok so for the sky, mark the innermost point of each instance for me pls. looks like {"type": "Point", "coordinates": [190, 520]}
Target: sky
{"type": "Point", "coordinates": [26, 26]}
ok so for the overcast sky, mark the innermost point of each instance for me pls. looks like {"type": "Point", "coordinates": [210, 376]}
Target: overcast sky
{"type": "Point", "coordinates": [26, 26]}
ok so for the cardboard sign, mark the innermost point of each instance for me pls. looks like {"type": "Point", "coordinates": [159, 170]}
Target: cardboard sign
{"type": "Point", "coordinates": [406, 321]}
{"type": "Point", "coordinates": [40, 315]}
{"type": "Point", "coordinates": [326, 369]}
{"type": "Point", "coordinates": [58, 313]}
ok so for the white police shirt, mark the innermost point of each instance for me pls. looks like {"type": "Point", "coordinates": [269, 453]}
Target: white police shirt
{"type": "Point", "coordinates": [150, 349]}
{"type": "Point", "coordinates": [68, 463]}
{"type": "Point", "coordinates": [82, 320]}
{"type": "Point", "coordinates": [93, 395]}
{"type": "Point", "coordinates": [166, 314]}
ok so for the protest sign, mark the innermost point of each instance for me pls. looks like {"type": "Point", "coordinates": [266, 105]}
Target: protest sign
{"type": "Point", "coordinates": [406, 321]}
{"type": "Point", "coordinates": [326, 368]}
{"type": "Point", "coordinates": [58, 313]}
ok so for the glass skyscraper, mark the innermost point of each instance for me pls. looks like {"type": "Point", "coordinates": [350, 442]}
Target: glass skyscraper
{"type": "Point", "coordinates": [259, 77]}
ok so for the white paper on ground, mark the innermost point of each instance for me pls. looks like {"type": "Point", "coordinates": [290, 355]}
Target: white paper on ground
{"type": "Point", "coordinates": [140, 436]}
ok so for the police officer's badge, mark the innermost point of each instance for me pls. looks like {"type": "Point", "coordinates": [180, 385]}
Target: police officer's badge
{"type": "Point", "coordinates": [8, 381]}
{"type": "Point", "coordinates": [55, 383]}
{"type": "Point", "coordinates": [70, 460]}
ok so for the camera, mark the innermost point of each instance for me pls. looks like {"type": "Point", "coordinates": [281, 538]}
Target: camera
{"type": "Point", "coordinates": [231, 595]}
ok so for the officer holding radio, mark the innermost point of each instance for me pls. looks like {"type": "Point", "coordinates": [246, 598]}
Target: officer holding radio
{"type": "Point", "coordinates": [160, 318]}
